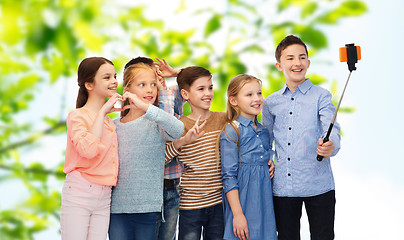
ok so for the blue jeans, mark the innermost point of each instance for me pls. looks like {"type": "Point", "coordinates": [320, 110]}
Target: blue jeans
{"type": "Point", "coordinates": [133, 226]}
{"type": "Point", "coordinates": [167, 229]}
{"type": "Point", "coordinates": [208, 220]}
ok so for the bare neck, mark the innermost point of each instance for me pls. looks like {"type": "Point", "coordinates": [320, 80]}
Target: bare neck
{"type": "Point", "coordinates": [94, 103]}
{"type": "Point", "coordinates": [195, 113]}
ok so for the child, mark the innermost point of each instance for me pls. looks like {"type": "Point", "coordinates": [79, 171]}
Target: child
{"type": "Point", "coordinates": [297, 117]}
{"type": "Point", "coordinates": [200, 187]}
{"type": "Point", "coordinates": [246, 154]}
{"type": "Point", "coordinates": [171, 101]}
{"type": "Point", "coordinates": [137, 199]}
{"type": "Point", "coordinates": [91, 161]}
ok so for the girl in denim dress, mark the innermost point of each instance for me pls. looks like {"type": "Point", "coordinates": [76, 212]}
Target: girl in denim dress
{"type": "Point", "coordinates": [247, 167]}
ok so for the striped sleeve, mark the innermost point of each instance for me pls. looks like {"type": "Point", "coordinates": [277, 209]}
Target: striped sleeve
{"type": "Point", "coordinates": [171, 152]}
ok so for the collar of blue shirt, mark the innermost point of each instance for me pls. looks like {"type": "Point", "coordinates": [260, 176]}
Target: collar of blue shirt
{"type": "Point", "coordinates": [245, 122]}
{"type": "Point", "coordinates": [303, 87]}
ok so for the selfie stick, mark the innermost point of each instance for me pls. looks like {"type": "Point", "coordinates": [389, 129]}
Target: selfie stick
{"type": "Point", "coordinates": [350, 54]}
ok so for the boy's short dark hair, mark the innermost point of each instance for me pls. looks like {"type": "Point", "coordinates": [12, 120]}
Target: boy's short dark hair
{"type": "Point", "coordinates": [144, 60]}
{"type": "Point", "coordinates": [286, 42]}
{"type": "Point", "coordinates": [188, 75]}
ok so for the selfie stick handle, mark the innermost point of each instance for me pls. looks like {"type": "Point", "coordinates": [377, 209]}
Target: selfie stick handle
{"type": "Point", "coordinates": [327, 136]}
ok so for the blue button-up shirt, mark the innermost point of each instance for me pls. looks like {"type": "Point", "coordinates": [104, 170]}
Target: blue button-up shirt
{"type": "Point", "coordinates": [295, 122]}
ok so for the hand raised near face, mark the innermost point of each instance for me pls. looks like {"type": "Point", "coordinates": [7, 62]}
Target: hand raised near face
{"type": "Point", "coordinates": [134, 102]}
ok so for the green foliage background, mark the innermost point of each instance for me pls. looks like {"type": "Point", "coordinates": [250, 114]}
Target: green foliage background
{"type": "Point", "coordinates": [43, 41]}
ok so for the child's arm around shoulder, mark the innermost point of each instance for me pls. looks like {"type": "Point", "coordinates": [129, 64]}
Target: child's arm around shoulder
{"type": "Point", "coordinates": [268, 120]}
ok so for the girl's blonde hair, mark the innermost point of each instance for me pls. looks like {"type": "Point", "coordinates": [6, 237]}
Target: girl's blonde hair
{"type": "Point", "coordinates": [129, 76]}
{"type": "Point", "coordinates": [233, 112]}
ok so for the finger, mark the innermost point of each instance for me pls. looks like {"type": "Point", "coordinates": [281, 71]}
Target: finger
{"type": "Point", "coordinates": [158, 59]}
{"type": "Point", "coordinates": [201, 134]}
{"type": "Point", "coordinates": [198, 119]}
{"type": "Point", "coordinates": [328, 144]}
{"type": "Point", "coordinates": [242, 235]}
{"type": "Point", "coordinates": [116, 110]}
{"type": "Point", "coordinates": [238, 234]}
{"type": "Point", "coordinates": [320, 141]}
{"type": "Point", "coordinates": [203, 124]}
{"type": "Point", "coordinates": [125, 107]}
{"type": "Point", "coordinates": [197, 124]}
{"type": "Point", "coordinates": [247, 234]}
{"type": "Point", "coordinates": [192, 132]}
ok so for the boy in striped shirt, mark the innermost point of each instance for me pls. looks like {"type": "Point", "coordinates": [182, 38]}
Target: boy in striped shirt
{"type": "Point", "coordinates": [201, 186]}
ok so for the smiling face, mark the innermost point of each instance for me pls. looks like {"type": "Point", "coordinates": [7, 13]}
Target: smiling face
{"type": "Point", "coordinates": [144, 85]}
{"type": "Point", "coordinates": [249, 100]}
{"type": "Point", "coordinates": [105, 83]}
{"type": "Point", "coordinates": [200, 93]}
{"type": "Point", "coordinates": [294, 64]}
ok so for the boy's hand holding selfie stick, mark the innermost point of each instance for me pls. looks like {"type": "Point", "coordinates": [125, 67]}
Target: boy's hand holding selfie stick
{"type": "Point", "coordinates": [350, 54]}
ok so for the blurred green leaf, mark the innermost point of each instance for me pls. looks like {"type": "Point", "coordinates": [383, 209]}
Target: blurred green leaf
{"type": "Point", "coordinates": [346, 9]}
{"type": "Point", "coordinates": [316, 79]}
{"type": "Point", "coordinates": [308, 9]}
{"type": "Point", "coordinates": [311, 36]}
{"type": "Point", "coordinates": [213, 25]}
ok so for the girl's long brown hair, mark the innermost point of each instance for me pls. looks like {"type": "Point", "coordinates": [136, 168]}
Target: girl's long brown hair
{"type": "Point", "coordinates": [233, 112]}
{"type": "Point", "coordinates": [87, 70]}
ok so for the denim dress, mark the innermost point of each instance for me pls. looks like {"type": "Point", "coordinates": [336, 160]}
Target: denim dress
{"type": "Point", "coordinates": [245, 167]}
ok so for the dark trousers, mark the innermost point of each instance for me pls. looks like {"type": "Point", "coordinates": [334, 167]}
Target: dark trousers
{"type": "Point", "coordinates": [207, 220]}
{"type": "Point", "coordinates": [320, 211]}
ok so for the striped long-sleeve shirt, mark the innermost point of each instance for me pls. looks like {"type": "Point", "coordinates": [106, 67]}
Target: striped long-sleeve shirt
{"type": "Point", "coordinates": [201, 184]}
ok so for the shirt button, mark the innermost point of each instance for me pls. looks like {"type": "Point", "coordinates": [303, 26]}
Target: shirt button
{"type": "Point", "coordinates": [113, 162]}
{"type": "Point", "coordinates": [288, 159]}
{"type": "Point", "coordinates": [288, 174]}
{"type": "Point", "coordinates": [258, 136]}
{"type": "Point", "coordinates": [289, 144]}
{"type": "Point", "coordinates": [112, 130]}
{"type": "Point", "coordinates": [261, 156]}
{"type": "Point", "coordinates": [292, 99]}
{"type": "Point", "coordinates": [260, 145]}
{"type": "Point", "coordinates": [290, 113]}
{"type": "Point", "coordinates": [290, 128]}
{"type": "Point", "coordinates": [114, 144]}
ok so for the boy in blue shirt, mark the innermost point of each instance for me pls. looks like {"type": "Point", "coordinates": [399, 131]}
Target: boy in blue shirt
{"type": "Point", "coordinates": [297, 117]}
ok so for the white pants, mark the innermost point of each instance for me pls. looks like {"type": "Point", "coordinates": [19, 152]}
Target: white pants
{"type": "Point", "coordinates": [85, 210]}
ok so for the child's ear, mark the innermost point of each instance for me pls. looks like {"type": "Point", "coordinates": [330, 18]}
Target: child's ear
{"type": "Point", "coordinates": [184, 94]}
{"type": "Point", "coordinates": [308, 65]}
{"type": "Point", "coordinates": [278, 66]}
{"type": "Point", "coordinates": [233, 101]}
{"type": "Point", "coordinates": [89, 86]}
